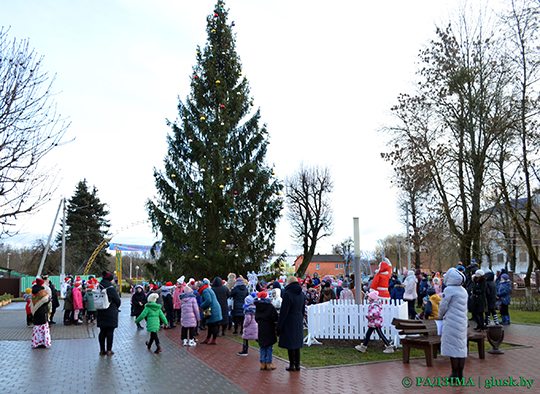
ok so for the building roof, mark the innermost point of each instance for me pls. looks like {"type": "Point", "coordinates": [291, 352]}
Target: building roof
{"type": "Point", "coordinates": [325, 258]}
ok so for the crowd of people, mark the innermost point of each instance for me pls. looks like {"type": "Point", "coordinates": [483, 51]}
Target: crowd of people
{"type": "Point", "coordinates": [267, 311]}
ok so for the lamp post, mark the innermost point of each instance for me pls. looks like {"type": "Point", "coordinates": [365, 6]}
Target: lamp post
{"type": "Point", "coordinates": [130, 262]}
{"type": "Point", "coordinates": [399, 253]}
{"type": "Point", "coordinates": [9, 254]}
{"type": "Point", "coordinates": [137, 270]}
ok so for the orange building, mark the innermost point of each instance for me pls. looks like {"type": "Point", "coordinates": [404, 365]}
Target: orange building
{"type": "Point", "coordinates": [323, 264]}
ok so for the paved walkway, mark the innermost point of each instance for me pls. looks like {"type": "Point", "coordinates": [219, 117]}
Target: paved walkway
{"type": "Point", "coordinates": [72, 364]}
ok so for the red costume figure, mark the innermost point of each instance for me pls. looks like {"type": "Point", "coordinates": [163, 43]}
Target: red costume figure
{"type": "Point", "coordinates": [381, 279]}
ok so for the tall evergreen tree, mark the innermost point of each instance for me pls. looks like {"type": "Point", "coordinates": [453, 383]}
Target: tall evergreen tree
{"type": "Point", "coordinates": [218, 201]}
{"type": "Point", "coordinates": [86, 228]}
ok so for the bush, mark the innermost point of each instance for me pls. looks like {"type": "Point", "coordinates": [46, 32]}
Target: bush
{"type": "Point", "coordinates": [6, 297]}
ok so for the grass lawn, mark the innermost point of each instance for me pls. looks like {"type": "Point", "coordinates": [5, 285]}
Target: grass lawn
{"type": "Point", "coordinates": [524, 317]}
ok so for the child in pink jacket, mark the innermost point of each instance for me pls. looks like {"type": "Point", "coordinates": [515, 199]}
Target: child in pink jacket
{"type": "Point", "coordinates": [77, 302]}
{"type": "Point", "coordinates": [190, 315]}
{"type": "Point", "coordinates": [251, 328]}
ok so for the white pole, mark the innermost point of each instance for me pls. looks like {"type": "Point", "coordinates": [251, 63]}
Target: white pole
{"type": "Point", "coordinates": [130, 262]}
{"type": "Point", "coordinates": [9, 254]}
{"type": "Point", "coordinates": [357, 271]}
{"type": "Point", "coordinates": [408, 238]}
{"type": "Point", "coordinates": [63, 273]}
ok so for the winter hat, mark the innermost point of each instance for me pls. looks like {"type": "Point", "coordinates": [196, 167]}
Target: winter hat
{"type": "Point", "coordinates": [249, 300]}
{"type": "Point", "coordinates": [107, 275]}
{"type": "Point", "coordinates": [374, 294]}
{"type": "Point", "coordinates": [340, 283]}
{"type": "Point", "coordinates": [39, 281]}
{"type": "Point", "coordinates": [262, 294]}
{"type": "Point", "coordinates": [91, 287]}
{"type": "Point", "coordinates": [180, 280]}
{"type": "Point", "coordinates": [188, 289]}
{"type": "Point", "coordinates": [431, 291]}
{"type": "Point", "coordinates": [28, 291]}
{"type": "Point", "coordinates": [479, 273]}
{"type": "Point", "coordinates": [437, 281]}
{"type": "Point", "coordinates": [206, 281]}
{"type": "Point", "coordinates": [345, 284]}
{"type": "Point", "coordinates": [505, 276]}
{"type": "Point", "coordinates": [153, 297]}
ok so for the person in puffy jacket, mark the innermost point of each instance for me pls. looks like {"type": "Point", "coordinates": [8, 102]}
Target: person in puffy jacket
{"type": "Point", "coordinates": [238, 293]}
{"type": "Point", "coordinates": [375, 321]}
{"type": "Point", "coordinates": [222, 293]}
{"type": "Point", "coordinates": [138, 301]}
{"type": "Point", "coordinates": [453, 311]}
{"type": "Point", "coordinates": [266, 317]}
{"type": "Point", "coordinates": [504, 289]}
{"type": "Point", "coordinates": [153, 314]}
{"type": "Point", "coordinates": [491, 297]}
{"type": "Point", "coordinates": [410, 294]}
{"type": "Point", "coordinates": [251, 328]}
{"type": "Point", "coordinates": [190, 316]}
{"type": "Point", "coordinates": [209, 300]}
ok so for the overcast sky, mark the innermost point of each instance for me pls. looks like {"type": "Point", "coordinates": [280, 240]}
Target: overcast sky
{"type": "Point", "coordinates": [325, 75]}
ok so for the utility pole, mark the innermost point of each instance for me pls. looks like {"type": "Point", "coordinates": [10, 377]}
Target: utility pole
{"type": "Point", "coordinates": [357, 272]}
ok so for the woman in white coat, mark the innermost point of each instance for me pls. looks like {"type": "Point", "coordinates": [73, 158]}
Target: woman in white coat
{"type": "Point", "coordinates": [453, 311]}
{"type": "Point", "coordinates": [410, 293]}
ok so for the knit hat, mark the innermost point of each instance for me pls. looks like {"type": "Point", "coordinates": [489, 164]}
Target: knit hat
{"type": "Point", "coordinates": [107, 275]}
{"type": "Point", "coordinates": [345, 284]}
{"type": "Point", "coordinates": [479, 273]}
{"type": "Point", "coordinates": [374, 294]}
{"type": "Point", "coordinates": [505, 276]}
{"type": "Point", "coordinates": [91, 287]}
{"type": "Point", "coordinates": [206, 281]}
{"type": "Point", "coordinates": [153, 297]}
{"type": "Point", "coordinates": [39, 281]}
{"type": "Point", "coordinates": [262, 294]}
{"type": "Point", "coordinates": [249, 300]}
{"type": "Point", "coordinates": [431, 291]}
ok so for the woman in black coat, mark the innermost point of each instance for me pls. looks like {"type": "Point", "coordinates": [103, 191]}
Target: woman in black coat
{"type": "Point", "coordinates": [222, 293]}
{"type": "Point", "coordinates": [107, 319]}
{"type": "Point", "coordinates": [238, 293]}
{"type": "Point", "coordinates": [478, 299]}
{"type": "Point", "coordinates": [290, 327]}
{"type": "Point", "coordinates": [138, 300]}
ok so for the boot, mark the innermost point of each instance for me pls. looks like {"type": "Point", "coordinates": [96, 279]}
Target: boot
{"type": "Point", "coordinates": [270, 366]}
{"type": "Point", "coordinates": [389, 349]}
{"type": "Point", "coordinates": [455, 367]}
{"type": "Point", "coordinates": [185, 342]}
{"type": "Point", "coordinates": [461, 366]}
{"type": "Point", "coordinates": [297, 359]}
{"type": "Point", "coordinates": [488, 321]}
{"type": "Point", "coordinates": [505, 320]}
{"type": "Point", "coordinates": [139, 327]}
{"type": "Point", "coordinates": [263, 366]}
{"type": "Point", "coordinates": [207, 341]}
{"type": "Point", "coordinates": [213, 342]}
{"type": "Point", "coordinates": [223, 331]}
{"type": "Point", "coordinates": [148, 345]}
{"type": "Point", "coordinates": [158, 350]}
{"type": "Point", "coordinates": [244, 351]}
{"type": "Point", "coordinates": [496, 319]}
{"type": "Point", "coordinates": [192, 342]}
{"type": "Point", "coordinates": [292, 364]}
{"type": "Point", "coordinates": [361, 348]}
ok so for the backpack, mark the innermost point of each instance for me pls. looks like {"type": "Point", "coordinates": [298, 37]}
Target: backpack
{"type": "Point", "coordinates": [101, 298]}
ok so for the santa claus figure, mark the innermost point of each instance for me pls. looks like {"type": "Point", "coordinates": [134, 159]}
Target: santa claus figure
{"type": "Point", "coordinates": [381, 279]}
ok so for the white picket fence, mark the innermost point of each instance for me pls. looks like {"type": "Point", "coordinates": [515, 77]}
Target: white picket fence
{"type": "Point", "coordinates": [343, 319]}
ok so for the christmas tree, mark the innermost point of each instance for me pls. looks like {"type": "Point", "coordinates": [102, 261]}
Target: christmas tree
{"type": "Point", "coordinates": [218, 201]}
{"type": "Point", "coordinates": [86, 228]}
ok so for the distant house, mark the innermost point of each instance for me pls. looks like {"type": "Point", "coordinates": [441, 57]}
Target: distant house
{"type": "Point", "coordinates": [323, 264]}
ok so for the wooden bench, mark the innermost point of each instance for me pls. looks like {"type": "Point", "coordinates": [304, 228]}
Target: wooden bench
{"type": "Point", "coordinates": [428, 340]}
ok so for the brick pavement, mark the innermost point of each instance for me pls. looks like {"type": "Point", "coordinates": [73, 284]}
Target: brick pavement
{"type": "Point", "coordinates": [218, 369]}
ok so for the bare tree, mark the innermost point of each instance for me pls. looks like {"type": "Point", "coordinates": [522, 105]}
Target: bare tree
{"type": "Point", "coordinates": [309, 208]}
{"type": "Point", "coordinates": [519, 158]}
{"type": "Point", "coordinates": [29, 129]}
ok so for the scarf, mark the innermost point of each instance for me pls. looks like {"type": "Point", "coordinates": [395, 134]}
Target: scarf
{"type": "Point", "coordinates": [39, 299]}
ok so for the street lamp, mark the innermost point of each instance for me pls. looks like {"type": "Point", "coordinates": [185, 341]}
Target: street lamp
{"type": "Point", "coordinates": [130, 262]}
{"type": "Point", "coordinates": [399, 238]}
{"type": "Point", "coordinates": [9, 254]}
{"type": "Point", "coordinates": [137, 270]}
